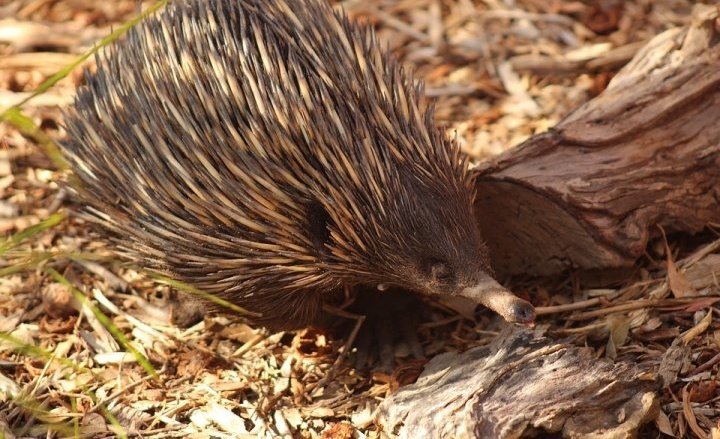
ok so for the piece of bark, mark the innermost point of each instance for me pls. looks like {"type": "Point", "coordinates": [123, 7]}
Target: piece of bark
{"type": "Point", "coordinates": [520, 384]}
{"type": "Point", "coordinates": [592, 191]}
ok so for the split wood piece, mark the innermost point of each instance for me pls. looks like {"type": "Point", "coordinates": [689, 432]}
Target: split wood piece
{"type": "Point", "coordinates": [577, 63]}
{"type": "Point", "coordinates": [521, 384]}
{"type": "Point", "coordinates": [591, 192]}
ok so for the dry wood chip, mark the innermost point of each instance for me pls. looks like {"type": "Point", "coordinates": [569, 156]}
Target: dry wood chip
{"type": "Point", "coordinates": [673, 361]}
{"type": "Point", "coordinates": [58, 300]}
{"type": "Point", "coordinates": [281, 424]}
{"type": "Point", "coordinates": [705, 273]}
{"type": "Point", "coordinates": [698, 329]}
{"type": "Point", "coordinates": [498, 72]}
{"type": "Point", "coordinates": [293, 416]}
{"type": "Point", "coordinates": [229, 386]}
{"type": "Point", "coordinates": [319, 412]}
{"type": "Point", "coordinates": [364, 417]}
{"type": "Point", "coordinates": [115, 358]}
{"type": "Point", "coordinates": [221, 416]}
{"type": "Point", "coordinates": [8, 388]}
{"type": "Point", "coordinates": [10, 322]}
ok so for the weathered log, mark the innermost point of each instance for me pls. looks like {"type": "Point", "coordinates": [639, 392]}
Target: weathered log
{"type": "Point", "coordinates": [592, 191]}
{"type": "Point", "coordinates": [521, 383]}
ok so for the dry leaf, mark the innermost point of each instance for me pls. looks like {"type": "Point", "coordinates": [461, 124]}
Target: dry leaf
{"type": "Point", "coordinates": [662, 422]}
{"type": "Point", "coordinates": [341, 430]}
{"type": "Point", "coordinates": [703, 391]}
{"type": "Point", "coordinates": [93, 423]}
{"type": "Point", "coordinates": [698, 329]}
{"type": "Point", "coordinates": [697, 305]}
{"type": "Point", "coordinates": [690, 415]}
{"type": "Point", "coordinates": [679, 285]}
{"type": "Point", "coordinates": [619, 328]}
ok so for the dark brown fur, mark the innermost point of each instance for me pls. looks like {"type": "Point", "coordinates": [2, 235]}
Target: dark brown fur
{"type": "Point", "coordinates": [271, 153]}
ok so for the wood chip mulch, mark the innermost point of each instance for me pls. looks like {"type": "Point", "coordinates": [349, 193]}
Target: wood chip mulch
{"type": "Point", "coordinates": [499, 70]}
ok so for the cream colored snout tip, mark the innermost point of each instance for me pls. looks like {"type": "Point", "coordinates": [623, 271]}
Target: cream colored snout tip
{"type": "Point", "coordinates": [492, 295]}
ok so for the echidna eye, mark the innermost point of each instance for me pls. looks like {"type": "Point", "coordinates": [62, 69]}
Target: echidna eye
{"type": "Point", "coordinates": [440, 271]}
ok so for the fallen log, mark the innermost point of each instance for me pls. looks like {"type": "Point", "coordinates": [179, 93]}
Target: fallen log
{"type": "Point", "coordinates": [591, 192]}
{"type": "Point", "coordinates": [521, 384]}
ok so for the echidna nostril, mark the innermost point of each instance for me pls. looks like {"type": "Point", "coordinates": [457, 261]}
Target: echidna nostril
{"type": "Point", "coordinates": [523, 312]}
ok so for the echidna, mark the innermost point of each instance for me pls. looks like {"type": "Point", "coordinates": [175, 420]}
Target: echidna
{"type": "Point", "coordinates": [271, 153]}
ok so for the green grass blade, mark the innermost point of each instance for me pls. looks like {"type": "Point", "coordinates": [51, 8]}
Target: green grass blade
{"type": "Point", "coordinates": [30, 260]}
{"type": "Point", "coordinates": [25, 349]}
{"type": "Point", "coordinates": [31, 231]}
{"type": "Point", "coordinates": [36, 352]}
{"type": "Point", "coordinates": [76, 421]}
{"type": "Point", "coordinates": [27, 127]}
{"type": "Point", "coordinates": [197, 292]}
{"type": "Point", "coordinates": [31, 263]}
{"type": "Point", "coordinates": [106, 322]}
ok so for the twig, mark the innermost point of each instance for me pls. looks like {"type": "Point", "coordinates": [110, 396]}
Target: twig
{"type": "Point", "coordinates": [545, 310]}
{"type": "Point", "coordinates": [638, 304]}
{"type": "Point", "coordinates": [630, 306]}
{"type": "Point", "coordinates": [705, 366]}
{"type": "Point", "coordinates": [359, 320]}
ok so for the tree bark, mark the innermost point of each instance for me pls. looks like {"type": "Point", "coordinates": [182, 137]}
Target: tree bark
{"type": "Point", "coordinates": [644, 154]}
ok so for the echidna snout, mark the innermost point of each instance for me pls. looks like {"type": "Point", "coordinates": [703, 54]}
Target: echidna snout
{"type": "Point", "coordinates": [491, 294]}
